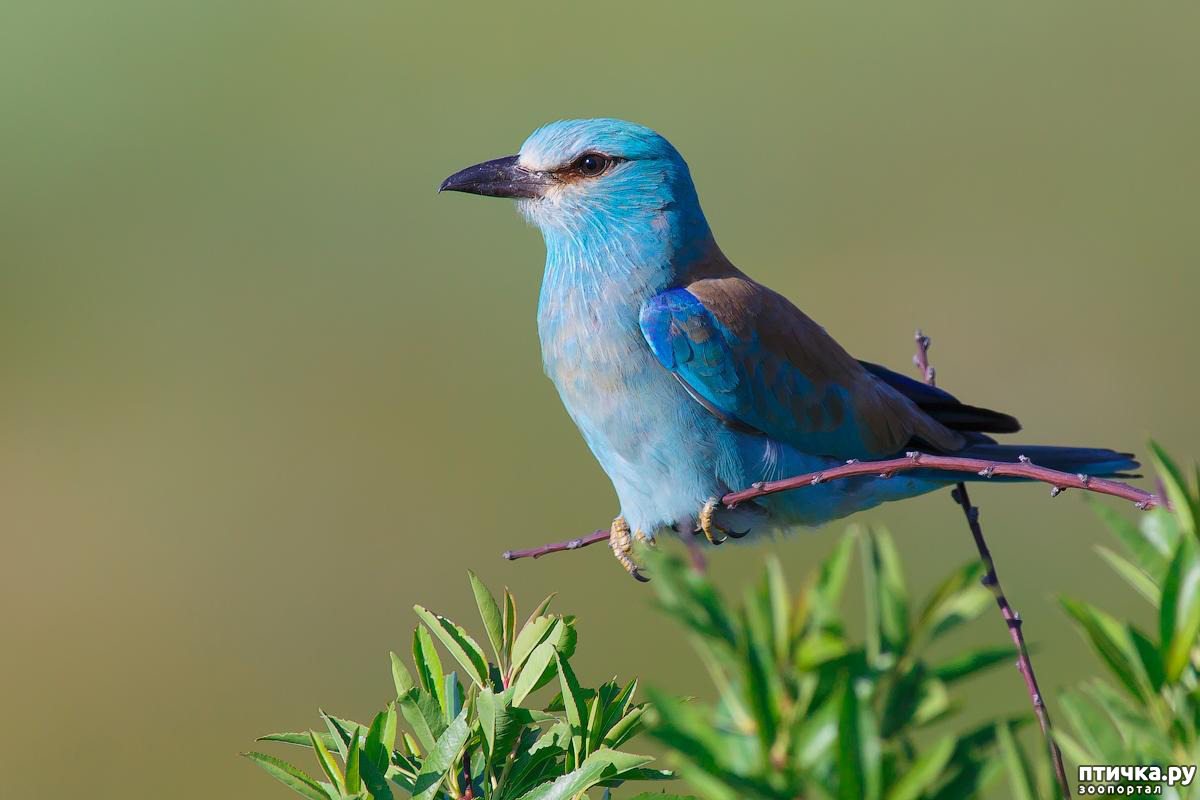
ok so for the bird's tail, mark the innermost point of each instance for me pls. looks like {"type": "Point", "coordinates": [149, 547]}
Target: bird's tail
{"type": "Point", "coordinates": [1098, 462]}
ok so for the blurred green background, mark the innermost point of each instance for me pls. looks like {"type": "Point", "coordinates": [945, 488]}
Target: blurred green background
{"type": "Point", "coordinates": [263, 389]}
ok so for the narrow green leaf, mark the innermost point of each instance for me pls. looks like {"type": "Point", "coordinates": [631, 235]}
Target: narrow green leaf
{"type": "Point", "coordinates": [424, 715]}
{"type": "Point", "coordinates": [1150, 553]}
{"type": "Point", "coordinates": [1176, 487]}
{"type": "Point", "coordinates": [1110, 639]}
{"type": "Point", "coordinates": [858, 755]}
{"type": "Point", "coordinates": [442, 756]}
{"type": "Point", "coordinates": [781, 622]}
{"type": "Point", "coordinates": [297, 738]}
{"type": "Point", "coordinates": [400, 675]}
{"type": "Point", "coordinates": [454, 696]}
{"type": "Point", "coordinates": [601, 765]}
{"type": "Point", "coordinates": [924, 772]}
{"type": "Point", "coordinates": [489, 612]}
{"type": "Point", "coordinates": [972, 662]}
{"type": "Point", "coordinates": [1020, 774]}
{"type": "Point", "coordinates": [530, 636]}
{"type": "Point", "coordinates": [542, 656]}
{"type": "Point", "coordinates": [289, 775]}
{"type": "Point", "coordinates": [509, 625]}
{"type": "Point", "coordinates": [327, 763]}
{"type": "Point", "coordinates": [353, 754]}
{"type": "Point", "coordinates": [1180, 612]}
{"type": "Point", "coordinates": [373, 747]}
{"type": "Point", "coordinates": [572, 703]}
{"type": "Point", "coordinates": [826, 594]}
{"type": "Point", "coordinates": [1133, 575]}
{"type": "Point", "coordinates": [459, 644]}
{"type": "Point", "coordinates": [625, 728]}
{"type": "Point", "coordinates": [429, 665]}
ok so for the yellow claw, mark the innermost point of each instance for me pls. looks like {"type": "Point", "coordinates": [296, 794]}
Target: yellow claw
{"type": "Point", "coordinates": [707, 522]}
{"type": "Point", "coordinates": [621, 539]}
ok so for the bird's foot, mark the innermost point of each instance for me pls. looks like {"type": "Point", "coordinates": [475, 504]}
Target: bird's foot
{"type": "Point", "coordinates": [706, 521]}
{"type": "Point", "coordinates": [621, 540]}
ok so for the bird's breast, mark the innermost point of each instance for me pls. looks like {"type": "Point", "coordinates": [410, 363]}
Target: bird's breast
{"type": "Point", "coordinates": [609, 380]}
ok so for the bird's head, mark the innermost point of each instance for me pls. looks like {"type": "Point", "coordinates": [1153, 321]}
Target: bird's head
{"type": "Point", "coordinates": [591, 181]}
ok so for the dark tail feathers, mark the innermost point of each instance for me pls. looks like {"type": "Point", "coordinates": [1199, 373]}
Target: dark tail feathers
{"type": "Point", "coordinates": [975, 423]}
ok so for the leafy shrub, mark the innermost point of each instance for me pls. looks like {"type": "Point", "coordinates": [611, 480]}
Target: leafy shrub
{"type": "Point", "coordinates": [803, 710]}
{"type": "Point", "coordinates": [1149, 712]}
{"type": "Point", "coordinates": [481, 740]}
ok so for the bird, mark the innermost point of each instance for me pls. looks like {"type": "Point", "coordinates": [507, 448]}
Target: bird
{"type": "Point", "coordinates": [687, 378]}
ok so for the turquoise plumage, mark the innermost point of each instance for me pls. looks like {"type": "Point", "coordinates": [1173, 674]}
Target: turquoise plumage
{"type": "Point", "coordinates": [687, 378]}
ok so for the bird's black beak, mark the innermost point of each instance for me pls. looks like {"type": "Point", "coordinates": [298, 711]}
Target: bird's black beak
{"type": "Point", "coordinates": [500, 177]}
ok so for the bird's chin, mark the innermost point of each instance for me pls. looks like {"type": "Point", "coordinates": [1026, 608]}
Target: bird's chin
{"type": "Point", "coordinates": [535, 210]}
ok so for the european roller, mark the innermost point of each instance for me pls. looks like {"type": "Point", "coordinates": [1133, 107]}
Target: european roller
{"type": "Point", "coordinates": [687, 378]}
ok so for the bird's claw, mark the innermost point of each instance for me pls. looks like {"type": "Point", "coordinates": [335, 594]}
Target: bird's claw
{"type": "Point", "coordinates": [706, 522]}
{"type": "Point", "coordinates": [621, 540]}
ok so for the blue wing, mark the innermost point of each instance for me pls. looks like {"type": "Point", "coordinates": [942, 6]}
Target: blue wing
{"type": "Point", "coordinates": [757, 362]}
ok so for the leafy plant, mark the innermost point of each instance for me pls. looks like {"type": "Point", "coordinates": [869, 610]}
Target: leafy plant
{"type": "Point", "coordinates": [803, 710]}
{"type": "Point", "coordinates": [1148, 713]}
{"type": "Point", "coordinates": [482, 738]}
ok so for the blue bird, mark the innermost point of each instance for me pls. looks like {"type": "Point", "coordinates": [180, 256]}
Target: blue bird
{"type": "Point", "coordinates": [686, 377]}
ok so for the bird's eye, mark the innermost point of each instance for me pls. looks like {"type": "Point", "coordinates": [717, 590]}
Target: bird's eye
{"type": "Point", "coordinates": [589, 165]}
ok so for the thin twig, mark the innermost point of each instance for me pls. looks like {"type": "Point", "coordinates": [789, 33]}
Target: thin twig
{"type": "Point", "coordinates": [558, 547]}
{"type": "Point", "coordinates": [992, 581]}
{"type": "Point", "coordinates": [1060, 481]}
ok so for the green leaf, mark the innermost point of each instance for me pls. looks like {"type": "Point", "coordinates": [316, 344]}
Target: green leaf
{"type": "Point", "coordinates": [1110, 639]}
{"type": "Point", "coordinates": [400, 675]}
{"type": "Point", "coordinates": [531, 673]}
{"type": "Point", "coordinates": [533, 634]}
{"type": "Point", "coordinates": [858, 756]}
{"type": "Point", "coordinates": [599, 766]}
{"type": "Point", "coordinates": [1132, 574]}
{"type": "Point", "coordinates": [442, 757]}
{"type": "Point", "coordinates": [378, 746]}
{"type": "Point", "coordinates": [509, 624]}
{"type": "Point", "coordinates": [338, 732]}
{"type": "Point", "coordinates": [924, 772]}
{"type": "Point", "coordinates": [965, 577]}
{"type": "Point", "coordinates": [297, 738]}
{"type": "Point", "coordinates": [1092, 728]}
{"type": "Point", "coordinates": [781, 623]}
{"type": "Point", "coordinates": [826, 594]}
{"type": "Point", "coordinates": [424, 716]}
{"type": "Point", "coordinates": [327, 763]}
{"type": "Point", "coordinates": [972, 661]}
{"type": "Point", "coordinates": [1179, 617]}
{"type": "Point", "coordinates": [459, 644]}
{"type": "Point", "coordinates": [353, 754]}
{"type": "Point", "coordinates": [1151, 553]}
{"type": "Point", "coordinates": [887, 597]}
{"type": "Point", "coordinates": [289, 775]}
{"type": "Point", "coordinates": [1176, 487]}
{"type": "Point", "coordinates": [625, 728]}
{"type": "Point", "coordinates": [429, 665]}
{"type": "Point", "coordinates": [1020, 774]}
{"type": "Point", "coordinates": [572, 703]}
{"type": "Point", "coordinates": [489, 612]}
